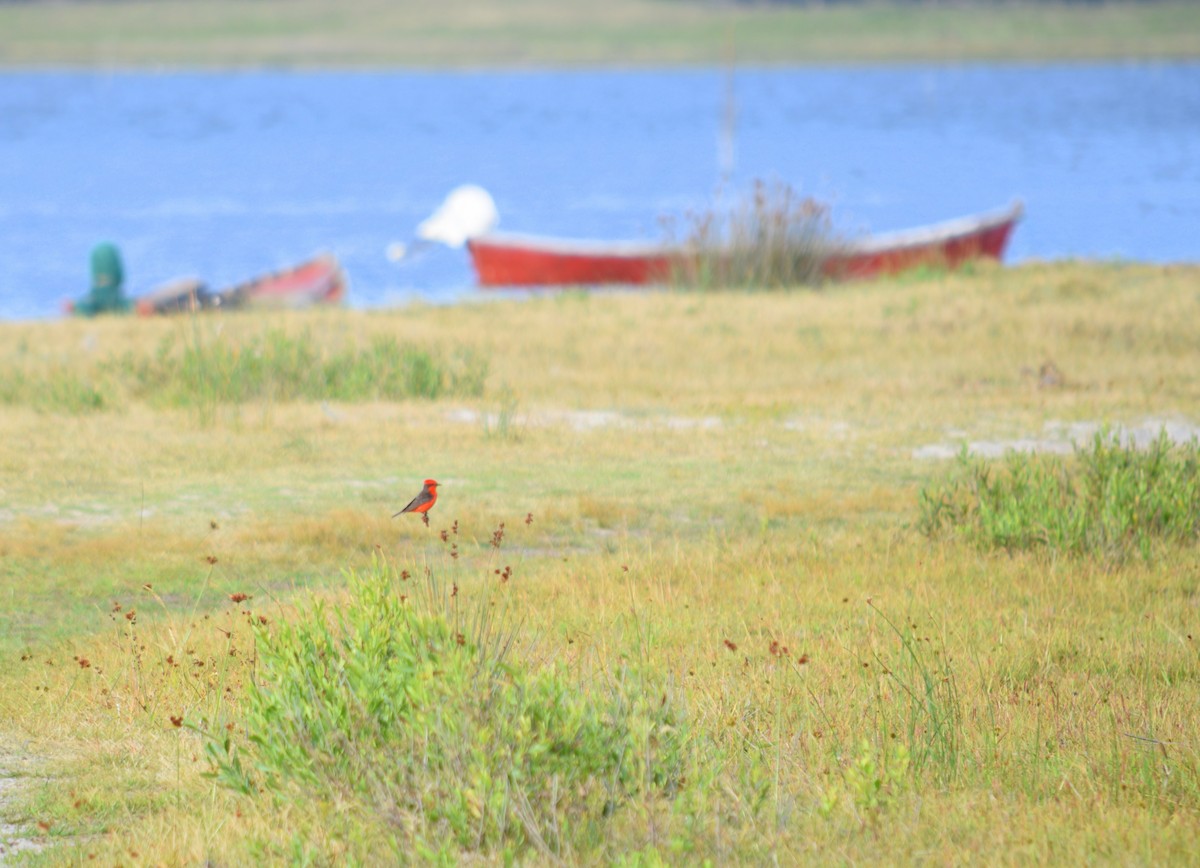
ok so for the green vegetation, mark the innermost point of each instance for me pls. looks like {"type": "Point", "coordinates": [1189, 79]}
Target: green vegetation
{"type": "Point", "coordinates": [205, 368]}
{"type": "Point", "coordinates": [1114, 498]}
{"type": "Point", "coordinates": [410, 709]}
{"type": "Point", "coordinates": [710, 627]}
{"type": "Point", "coordinates": [410, 33]}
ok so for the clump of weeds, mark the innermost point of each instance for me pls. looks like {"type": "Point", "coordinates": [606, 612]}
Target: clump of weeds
{"type": "Point", "coordinates": [1112, 499]}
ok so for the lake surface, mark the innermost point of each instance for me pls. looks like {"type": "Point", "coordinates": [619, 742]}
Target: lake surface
{"type": "Point", "coordinates": [226, 175]}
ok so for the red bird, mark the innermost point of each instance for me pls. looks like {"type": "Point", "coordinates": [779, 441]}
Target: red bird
{"type": "Point", "coordinates": [424, 501]}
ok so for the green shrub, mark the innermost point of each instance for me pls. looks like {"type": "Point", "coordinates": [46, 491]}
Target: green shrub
{"type": "Point", "coordinates": [1110, 500]}
{"type": "Point", "coordinates": [416, 711]}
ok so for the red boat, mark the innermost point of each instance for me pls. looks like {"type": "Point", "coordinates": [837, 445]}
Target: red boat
{"type": "Point", "coordinates": [318, 281]}
{"type": "Point", "coordinates": [510, 259]}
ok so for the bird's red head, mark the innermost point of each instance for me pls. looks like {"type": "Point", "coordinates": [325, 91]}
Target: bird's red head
{"type": "Point", "coordinates": [431, 483]}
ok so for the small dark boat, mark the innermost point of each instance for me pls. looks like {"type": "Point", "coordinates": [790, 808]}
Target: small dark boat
{"type": "Point", "coordinates": [318, 281]}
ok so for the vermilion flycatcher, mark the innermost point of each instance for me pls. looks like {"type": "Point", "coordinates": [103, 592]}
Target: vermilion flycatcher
{"type": "Point", "coordinates": [424, 501]}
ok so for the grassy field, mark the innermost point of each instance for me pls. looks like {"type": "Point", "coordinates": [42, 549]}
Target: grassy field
{"type": "Point", "coordinates": [709, 571]}
{"type": "Point", "coordinates": [409, 33]}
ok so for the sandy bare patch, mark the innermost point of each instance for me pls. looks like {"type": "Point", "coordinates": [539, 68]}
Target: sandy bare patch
{"type": "Point", "coordinates": [590, 420]}
{"type": "Point", "coordinates": [1062, 438]}
{"type": "Point", "coordinates": [14, 771]}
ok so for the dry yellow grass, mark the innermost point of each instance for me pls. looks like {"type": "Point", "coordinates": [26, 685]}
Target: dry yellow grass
{"type": "Point", "coordinates": [707, 475]}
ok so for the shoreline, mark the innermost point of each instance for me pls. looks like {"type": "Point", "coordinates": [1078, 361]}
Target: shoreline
{"type": "Point", "coordinates": [586, 67]}
{"type": "Point", "coordinates": [476, 295]}
{"type": "Point", "coordinates": [536, 33]}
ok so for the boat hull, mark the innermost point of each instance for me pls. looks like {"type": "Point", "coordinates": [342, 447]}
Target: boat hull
{"type": "Point", "coordinates": [522, 261]}
{"type": "Point", "coordinates": [944, 245]}
{"type": "Point", "coordinates": [318, 281]}
{"type": "Point", "coordinates": [511, 260]}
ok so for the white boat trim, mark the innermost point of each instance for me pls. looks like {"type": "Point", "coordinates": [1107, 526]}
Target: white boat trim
{"type": "Point", "coordinates": [934, 233]}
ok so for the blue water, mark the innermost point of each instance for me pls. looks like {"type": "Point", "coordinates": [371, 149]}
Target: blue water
{"type": "Point", "coordinates": [226, 175]}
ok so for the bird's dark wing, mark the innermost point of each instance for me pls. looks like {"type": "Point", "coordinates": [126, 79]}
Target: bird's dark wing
{"type": "Point", "coordinates": [422, 498]}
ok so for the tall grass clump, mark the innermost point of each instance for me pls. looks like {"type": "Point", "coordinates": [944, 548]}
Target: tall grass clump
{"type": "Point", "coordinates": [771, 239]}
{"type": "Point", "coordinates": [279, 366]}
{"type": "Point", "coordinates": [31, 376]}
{"type": "Point", "coordinates": [925, 705]}
{"type": "Point", "coordinates": [205, 371]}
{"type": "Point", "coordinates": [417, 709]}
{"type": "Point", "coordinates": [1110, 500]}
